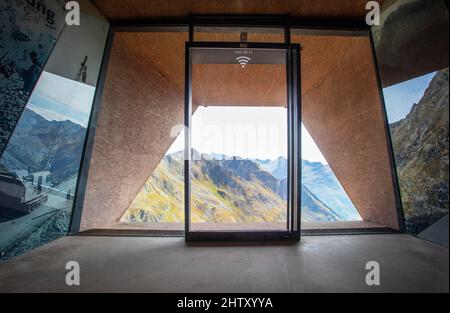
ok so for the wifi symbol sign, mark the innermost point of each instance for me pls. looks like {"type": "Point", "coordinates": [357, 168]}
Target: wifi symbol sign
{"type": "Point", "coordinates": [243, 61]}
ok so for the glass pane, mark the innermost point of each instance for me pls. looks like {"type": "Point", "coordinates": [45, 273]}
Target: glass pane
{"type": "Point", "coordinates": [413, 61]}
{"type": "Point", "coordinates": [28, 36]}
{"type": "Point", "coordinates": [344, 152]}
{"type": "Point", "coordinates": [239, 140]}
{"type": "Point", "coordinates": [156, 201]}
{"type": "Point", "coordinates": [39, 167]}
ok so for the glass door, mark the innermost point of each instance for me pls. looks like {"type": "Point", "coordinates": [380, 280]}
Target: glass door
{"type": "Point", "coordinates": [242, 115]}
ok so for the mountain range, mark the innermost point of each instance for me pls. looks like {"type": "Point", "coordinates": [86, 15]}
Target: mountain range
{"type": "Point", "coordinates": [320, 180]}
{"type": "Point", "coordinates": [39, 145]}
{"type": "Point", "coordinates": [228, 190]}
{"type": "Point", "coordinates": [420, 143]}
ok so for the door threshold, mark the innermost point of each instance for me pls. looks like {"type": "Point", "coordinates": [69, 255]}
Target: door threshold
{"type": "Point", "coordinates": [349, 231]}
{"type": "Point", "coordinates": [131, 233]}
{"type": "Point", "coordinates": [227, 236]}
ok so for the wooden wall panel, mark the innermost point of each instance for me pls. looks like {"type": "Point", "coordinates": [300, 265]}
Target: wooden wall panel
{"type": "Point", "coordinates": [140, 105]}
{"type": "Point", "coordinates": [342, 111]}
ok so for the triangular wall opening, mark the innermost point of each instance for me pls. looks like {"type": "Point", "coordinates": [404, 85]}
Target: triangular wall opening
{"type": "Point", "coordinates": [160, 203]}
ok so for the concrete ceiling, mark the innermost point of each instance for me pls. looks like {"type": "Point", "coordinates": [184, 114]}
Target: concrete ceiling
{"type": "Point", "coordinates": [139, 9]}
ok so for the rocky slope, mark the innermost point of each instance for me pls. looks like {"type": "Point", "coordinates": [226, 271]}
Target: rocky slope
{"type": "Point", "coordinates": [41, 145]}
{"type": "Point", "coordinates": [420, 144]}
{"type": "Point", "coordinates": [225, 191]}
{"type": "Point", "coordinates": [320, 180]}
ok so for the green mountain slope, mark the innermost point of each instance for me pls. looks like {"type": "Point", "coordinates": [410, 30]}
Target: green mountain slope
{"type": "Point", "coordinates": [223, 191]}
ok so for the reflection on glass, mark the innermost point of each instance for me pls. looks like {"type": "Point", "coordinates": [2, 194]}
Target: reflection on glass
{"type": "Point", "coordinates": [418, 116]}
{"type": "Point", "coordinates": [40, 164]}
{"type": "Point", "coordinates": [412, 56]}
{"type": "Point", "coordinates": [39, 167]}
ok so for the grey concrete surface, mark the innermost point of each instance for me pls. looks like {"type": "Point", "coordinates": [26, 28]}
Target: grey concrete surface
{"type": "Point", "coordinates": [438, 232]}
{"type": "Point", "coordinates": [316, 264]}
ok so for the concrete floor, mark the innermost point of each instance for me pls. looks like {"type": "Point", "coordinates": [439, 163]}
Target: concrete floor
{"type": "Point", "coordinates": [316, 264]}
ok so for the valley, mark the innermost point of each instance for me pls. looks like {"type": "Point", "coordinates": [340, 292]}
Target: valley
{"type": "Point", "coordinates": [234, 190]}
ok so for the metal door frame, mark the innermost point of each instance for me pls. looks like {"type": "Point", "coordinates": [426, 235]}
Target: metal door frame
{"type": "Point", "coordinates": [294, 146]}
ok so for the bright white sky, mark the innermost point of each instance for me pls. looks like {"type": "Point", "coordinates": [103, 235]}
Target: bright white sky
{"type": "Point", "coordinates": [248, 132]}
